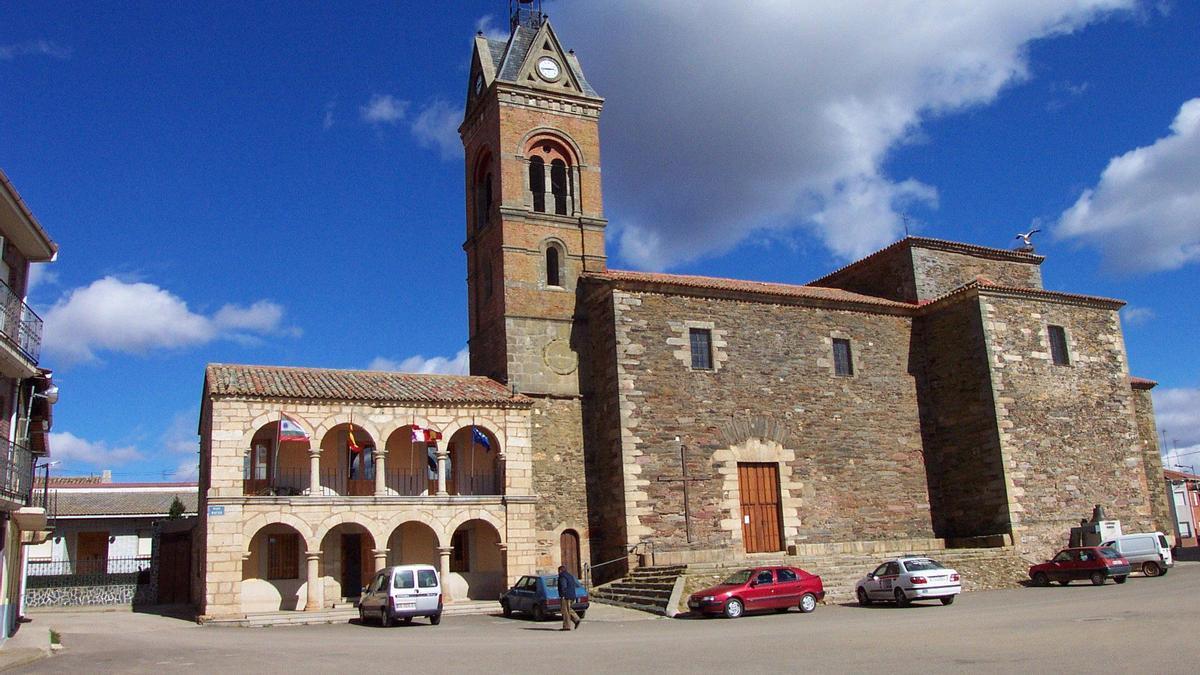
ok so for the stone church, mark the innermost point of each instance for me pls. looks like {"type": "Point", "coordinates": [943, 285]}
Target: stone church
{"type": "Point", "coordinates": [932, 394]}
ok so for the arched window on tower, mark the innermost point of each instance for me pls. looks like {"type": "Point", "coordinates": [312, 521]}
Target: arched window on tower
{"type": "Point", "coordinates": [553, 277]}
{"type": "Point", "coordinates": [558, 186]}
{"type": "Point", "coordinates": [537, 183]}
{"type": "Point", "coordinates": [483, 201]}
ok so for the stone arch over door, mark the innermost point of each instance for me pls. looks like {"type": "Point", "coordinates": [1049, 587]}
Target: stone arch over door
{"type": "Point", "coordinates": [758, 450]}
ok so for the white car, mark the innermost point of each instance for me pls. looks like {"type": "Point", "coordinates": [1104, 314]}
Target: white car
{"type": "Point", "coordinates": [402, 592]}
{"type": "Point", "coordinates": [909, 578]}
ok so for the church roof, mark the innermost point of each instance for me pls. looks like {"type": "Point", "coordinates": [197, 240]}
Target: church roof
{"type": "Point", "coordinates": [507, 57]}
{"type": "Point", "coordinates": [939, 245]}
{"type": "Point", "coordinates": [356, 385]}
{"type": "Point", "coordinates": [721, 287]}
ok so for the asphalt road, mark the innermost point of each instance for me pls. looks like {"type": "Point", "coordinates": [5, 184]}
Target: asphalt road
{"type": "Point", "coordinates": [1145, 625]}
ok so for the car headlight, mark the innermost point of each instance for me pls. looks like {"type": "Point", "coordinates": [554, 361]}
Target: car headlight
{"type": "Point", "coordinates": [708, 598]}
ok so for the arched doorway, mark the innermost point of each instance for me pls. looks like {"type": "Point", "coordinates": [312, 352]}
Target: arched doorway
{"type": "Point", "coordinates": [412, 543]}
{"type": "Point", "coordinates": [476, 562]}
{"type": "Point", "coordinates": [274, 573]}
{"type": "Point", "coordinates": [274, 467]}
{"type": "Point", "coordinates": [568, 545]}
{"type": "Point", "coordinates": [347, 561]}
{"type": "Point", "coordinates": [411, 465]}
{"type": "Point", "coordinates": [348, 461]}
{"type": "Point", "coordinates": [474, 463]}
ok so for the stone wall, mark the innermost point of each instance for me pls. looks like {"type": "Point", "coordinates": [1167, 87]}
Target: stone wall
{"type": "Point", "coordinates": [558, 477]}
{"type": "Point", "coordinates": [69, 590]}
{"type": "Point", "coordinates": [937, 272]}
{"type": "Point", "coordinates": [1069, 433]}
{"type": "Point", "coordinates": [1160, 498]}
{"type": "Point", "coordinates": [958, 416]}
{"type": "Point", "coordinates": [886, 274]}
{"type": "Point", "coordinates": [837, 440]}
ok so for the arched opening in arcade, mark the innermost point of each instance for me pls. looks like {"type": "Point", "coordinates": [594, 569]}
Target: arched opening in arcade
{"type": "Point", "coordinates": [412, 543]}
{"type": "Point", "coordinates": [347, 561]}
{"type": "Point", "coordinates": [474, 463]}
{"type": "Point", "coordinates": [411, 467]}
{"type": "Point", "coordinates": [273, 465]}
{"type": "Point", "coordinates": [348, 462]}
{"type": "Point", "coordinates": [274, 576]}
{"type": "Point", "coordinates": [476, 562]}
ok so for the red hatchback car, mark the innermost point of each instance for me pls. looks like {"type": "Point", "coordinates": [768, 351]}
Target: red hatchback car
{"type": "Point", "coordinates": [1094, 563]}
{"type": "Point", "coordinates": [756, 588]}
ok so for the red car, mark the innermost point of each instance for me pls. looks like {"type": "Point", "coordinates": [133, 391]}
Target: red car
{"type": "Point", "coordinates": [1095, 563]}
{"type": "Point", "coordinates": [756, 588]}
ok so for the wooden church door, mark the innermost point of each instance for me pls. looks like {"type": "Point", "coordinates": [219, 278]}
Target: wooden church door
{"type": "Point", "coordinates": [758, 484]}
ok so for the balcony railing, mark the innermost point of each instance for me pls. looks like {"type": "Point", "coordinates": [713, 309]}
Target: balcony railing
{"type": "Point", "coordinates": [334, 482]}
{"type": "Point", "coordinates": [96, 567]}
{"type": "Point", "coordinates": [16, 472]}
{"type": "Point", "coordinates": [20, 325]}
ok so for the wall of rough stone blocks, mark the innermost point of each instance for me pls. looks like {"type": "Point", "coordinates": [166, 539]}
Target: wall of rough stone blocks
{"type": "Point", "coordinates": [958, 416]}
{"type": "Point", "coordinates": [1152, 460]}
{"type": "Point", "coordinates": [558, 477]}
{"type": "Point", "coordinates": [849, 436]}
{"type": "Point", "coordinates": [889, 274]}
{"type": "Point", "coordinates": [938, 272]}
{"type": "Point", "coordinates": [1069, 433]}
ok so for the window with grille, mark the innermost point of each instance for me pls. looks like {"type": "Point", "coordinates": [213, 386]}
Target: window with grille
{"type": "Point", "coordinates": [701, 341]}
{"type": "Point", "coordinates": [1058, 346]}
{"type": "Point", "coordinates": [283, 556]}
{"type": "Point", "coordinates": [461, 556]}
{"type": "Point", "coordinates": [843, 362]}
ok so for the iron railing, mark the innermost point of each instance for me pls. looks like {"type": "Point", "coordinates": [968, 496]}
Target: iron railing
{"type": "Point", "coordinates": [16, 472]}
{"type": "Point", "coordinates": [98, 567]}
{"type": "Point", "coordinates": [20, 325]}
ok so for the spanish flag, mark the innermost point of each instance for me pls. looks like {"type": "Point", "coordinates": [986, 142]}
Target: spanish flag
{"type": "Point", "coordinates": [352, 444]}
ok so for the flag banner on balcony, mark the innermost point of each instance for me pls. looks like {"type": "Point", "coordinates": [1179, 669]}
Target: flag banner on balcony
{"type": "Point", "coordinates": [481, 439]}
{"type": "Point", "coordinates": [290, 429]}
{"type": "Point", "coordinates": [351, 444]}
{"type": "Point", "coordinates": [420, 435]}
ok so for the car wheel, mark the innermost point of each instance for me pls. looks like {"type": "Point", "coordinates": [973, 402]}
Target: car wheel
{"type": "Point", "coordinates": [808, 602]}
{"type": "Point", "coordinates": [385, 619]}
{"type": "Point", "coordinates": [1097, 578]}
{"type": "Point", "coordinates": [1121, 579]}
{"type": "Point", "coordinates": [734, 608]}
{"type": "Point", "coordinates": [1151, 569]}
{"type": "Point", "coordinates": [948, 600]}
{"type": "Point", "coordinates": [505, 609]}
{"type": "Point", "coordinates": [1040, 579]}
{"type": "Point", "coordinates": [435, 619]}
{"type": "Point", "coordinates": [539, 613]}
{"type": "Point", "coordinates": [863, 598]}
{"type": "Point", "coordinates": [901, 598]}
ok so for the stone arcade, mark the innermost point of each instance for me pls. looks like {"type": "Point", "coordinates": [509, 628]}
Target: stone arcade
{"type": "Point", "coordinates": [931, 394]}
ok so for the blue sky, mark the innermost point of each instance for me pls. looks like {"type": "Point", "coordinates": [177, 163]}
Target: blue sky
{"type": "Point", "coordinates": [281, 183]}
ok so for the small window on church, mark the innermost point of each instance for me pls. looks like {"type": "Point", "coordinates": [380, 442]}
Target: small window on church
{"type": "Point", "coordinates": [843, 364]}
{"type": "Point", "coordinates": [558, 186]}
{"type": "Point", "coordinates": [701, 341]}
{"type": "Point", "coordinates": [553, 278]}
{"type": "Point", "coordinates": [1058, 346]}
{"type": "Point", "coordinates": [537, 183]}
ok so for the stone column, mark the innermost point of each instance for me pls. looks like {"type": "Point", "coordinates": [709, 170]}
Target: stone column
{"type": "Point", "coordinates": [380, 472]}
{"type": "Point", "coordinates": [443, 458]}
{"type": "Point", "coordinates": [314, 471]}
{"type": "Point", "coordinates": [316, 597]}
{"type": "Point", "coordinates": [501, 475]}
{"type": "Point", "coordinates": [504, 563]}
{"type": "Point", "coordinates": [444, 570]}
{"type": "Point", "coordinates": [549, 185]}
{"type": "Point", "coordinates": [380, 558]}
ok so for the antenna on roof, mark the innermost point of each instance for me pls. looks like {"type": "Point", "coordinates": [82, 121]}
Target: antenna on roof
{"type": "Point", "coordinates": [904, 216]}
{"type": "Point", "coordinates": [527, 13]}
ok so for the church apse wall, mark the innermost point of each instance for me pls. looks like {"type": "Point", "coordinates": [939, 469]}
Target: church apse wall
{"type": "Point", "coordinates": [848, 449]}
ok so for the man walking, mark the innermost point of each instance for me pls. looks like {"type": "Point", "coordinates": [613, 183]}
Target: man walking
{"type": "Point", "coordinates": [568, 588]}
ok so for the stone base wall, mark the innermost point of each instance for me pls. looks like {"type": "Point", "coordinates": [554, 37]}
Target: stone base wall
{"type": "Point", "coordinates": [558, 478]}
{"type": "Point", "coordinates": [75, 591]}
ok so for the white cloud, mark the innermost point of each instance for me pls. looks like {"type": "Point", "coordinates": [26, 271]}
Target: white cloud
{"type": "Point", "coordinates": [34, 48]}
{"type": "Point", "coordinates": [137, 317]}
{"type": "Point", "coordinates": [1178, 414]}
{"type": "Point", "coordinates": [436, 126]}
{"type": "Point", "coordinates": [384, 109]}
{"type": "Point", "coordinates": [734, 119]}
{"type": "Point", "coordinates": [181, 437]}
{"type": "Point", "coordinates": [187, 472]}
{"type": "Point", "coordinates": [40, 275]}
{"type": "Point", "coordinates": [1144, 214]}
{"type": "Point", "coordinates": [484, 25]}
{"type": "Point", "coordinates": [460, 364]}
{"type": "Point", "coordinates": [1136, 316]}
{"type": "Point", "coordinates": [73, 451]}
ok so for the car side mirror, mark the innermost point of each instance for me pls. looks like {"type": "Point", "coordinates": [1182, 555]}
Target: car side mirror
{"type": "Point", "coordinates": [870, 576]}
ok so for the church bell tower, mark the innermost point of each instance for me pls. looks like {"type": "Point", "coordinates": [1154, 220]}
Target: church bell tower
{"type": "Point", "coordinates": [535, 219]}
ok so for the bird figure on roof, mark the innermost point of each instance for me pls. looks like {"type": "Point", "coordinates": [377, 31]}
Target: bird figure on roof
{"type": "Point", "coordinates": [1026, 240]}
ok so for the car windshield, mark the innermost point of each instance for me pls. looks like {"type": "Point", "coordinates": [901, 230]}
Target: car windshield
{"type": "Point", "coordinates": [738, 577]}
{"type": "Point", "coordinates": [1110, 553]}
{"type": "Point", "coordinates": [551, 582]}
{"type": "Point", "coordinates": [922, 565]}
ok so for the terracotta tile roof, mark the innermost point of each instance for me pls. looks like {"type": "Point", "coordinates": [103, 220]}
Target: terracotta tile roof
{"type": "Point", "coordinates": [1141, 383]}
{"type": "Point", "coordinates": [766, 290]}
{"type": "Point", "coordinates": [1179, 475]}
{"type": "Point", "coordinates": [355, 385]}
{"type": "Point", "coordinates": [941, 245]}
{"type": "Point", "coordinates": [68, 481]}
{"type": "Point", "coordinates": [123, 502]}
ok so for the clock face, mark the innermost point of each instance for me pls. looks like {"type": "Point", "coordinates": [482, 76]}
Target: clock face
{"type": "Point", "coordinates": [548, 68]}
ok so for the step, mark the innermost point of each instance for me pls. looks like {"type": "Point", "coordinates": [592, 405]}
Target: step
{"type": "Point", "coordinates": [653, 609]}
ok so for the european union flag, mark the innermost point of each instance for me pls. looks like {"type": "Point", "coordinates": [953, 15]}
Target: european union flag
{"type": "Point", "coordinates": [478, 437]}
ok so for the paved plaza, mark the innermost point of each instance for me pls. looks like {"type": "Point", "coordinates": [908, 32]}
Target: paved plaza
{"type": "Point", "coordinates": [1146, 625]}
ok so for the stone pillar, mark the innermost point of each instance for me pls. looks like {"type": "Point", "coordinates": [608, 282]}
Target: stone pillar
{"type": "Point", "coordinates": [314, 471]}
{"type": "Point", "coordinates": [316, 597]}
{"type": "Point", "coordinates": [380, 558]}
{"type": "Point", "coordinates": [501, 475]}
{"type": "Point", "coordinates": [443, 458]}
{"type": "Point", "coordinates": [504, 563]}
{"type": "Point", "coordinates": [444, 570]}
{"type": "Point", "coordinates": [380, 472]}
{"type": "Point", "coordinates": [549, 185]}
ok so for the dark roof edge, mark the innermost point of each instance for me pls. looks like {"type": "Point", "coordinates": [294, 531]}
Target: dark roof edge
{"type": "Point", "coordinates": [939, 245]}
{"type": "Point", "coordinates": [979, 288]}
{"type": "Point", "coordinates": [51, 247]}
{"type": "Point", "coordinates": [1142, 383]}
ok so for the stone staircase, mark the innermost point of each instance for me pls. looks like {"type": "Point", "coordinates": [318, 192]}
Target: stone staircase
{"type": "Point", "coordinates": [665, 589]}
{"type": "Point", "coordinates": [649, 589]}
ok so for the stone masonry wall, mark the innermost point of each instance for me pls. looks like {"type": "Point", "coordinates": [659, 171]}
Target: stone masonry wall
{"type": "Point", "coordinates": [558, 477]}
{"type": "Point", "coordinates": [958, 415]}
{"type": "Point", "coordinates": [889, 274]}
{"type": "Point", "coordinates": [1160, 503]}
{"type": "Point", "coordinates": [938, 272]}
{"type": "Point", "coordinates": [850, 446]}
{"type": "Point", "coordinates": [1069, 433]}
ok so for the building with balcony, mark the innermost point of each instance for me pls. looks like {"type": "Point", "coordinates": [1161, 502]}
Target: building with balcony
{"type": "Point", "coordinates": [371, 469]}
{"type": "Point", "coordinates": [26, 396]}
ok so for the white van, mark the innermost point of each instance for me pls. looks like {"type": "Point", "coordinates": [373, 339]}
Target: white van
{"type": "Point", "coordinates": [1147, 551]}
{"type": "Point", "coordinates": [402, 592]}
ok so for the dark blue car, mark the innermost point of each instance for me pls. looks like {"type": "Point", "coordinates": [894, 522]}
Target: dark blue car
{"type": "Point", "coordinates": [538, 597]}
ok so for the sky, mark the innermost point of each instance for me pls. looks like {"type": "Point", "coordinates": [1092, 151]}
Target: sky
{"type": "Point", "coordinates": [282, 183]}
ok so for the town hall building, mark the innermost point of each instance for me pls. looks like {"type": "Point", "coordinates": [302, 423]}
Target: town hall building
{"type": "Point", "coordinates": [932, 392]}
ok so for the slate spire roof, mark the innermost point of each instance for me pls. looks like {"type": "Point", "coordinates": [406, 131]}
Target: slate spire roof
{"type": "Point", "coordinates": [507, 57]}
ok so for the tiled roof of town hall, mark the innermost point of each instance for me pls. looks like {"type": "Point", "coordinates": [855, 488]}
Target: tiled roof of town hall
{"type": "Point", "coordinates": [356, 385]}
{"type": "Point", "coordinates": [940, 245]}
{"type": "Point", "coordinates": [768, 290]}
